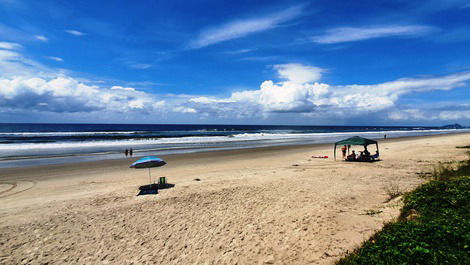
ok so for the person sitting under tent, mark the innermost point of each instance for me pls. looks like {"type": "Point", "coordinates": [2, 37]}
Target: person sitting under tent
{"type": "Point", "coordinates": [366, 154]}
{"type": "Point", "coordinates": [361, 156]}
{"type": "Point", "coordinates": [357, 140]}
{"type": "Point", "coordinates": [352, 156]}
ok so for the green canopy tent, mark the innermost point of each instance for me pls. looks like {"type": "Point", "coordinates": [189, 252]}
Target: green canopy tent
{"type": "Point", "coordinates": [357, 140]}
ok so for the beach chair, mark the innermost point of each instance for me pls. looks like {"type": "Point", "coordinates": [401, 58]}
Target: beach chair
{"type": "Point", "coordinates": [374, 157]}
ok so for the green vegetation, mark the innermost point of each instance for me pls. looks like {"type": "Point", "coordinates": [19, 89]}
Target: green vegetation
{"type": "Point", "coordinates": [372, 212]}
{"type": "Point", "coordinates": [393, 190]}
{"type": "Point", "coordinates": [434, 226]}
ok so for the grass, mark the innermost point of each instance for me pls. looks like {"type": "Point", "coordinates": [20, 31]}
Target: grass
{"type": "Point", "coordinates": [433, 228]}
{"type": "Point", "coordinates": [372, 212]}
{"type": "Point", "coordinates": [451, 170]}
{"type": "Point", "coordinates": [393, 189]}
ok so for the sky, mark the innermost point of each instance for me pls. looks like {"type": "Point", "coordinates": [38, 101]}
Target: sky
{"type": "Point", "coordinates": [363, 62]}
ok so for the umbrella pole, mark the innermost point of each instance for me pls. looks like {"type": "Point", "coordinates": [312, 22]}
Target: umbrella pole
{"type": "Point", "coordinates": [150, 178]}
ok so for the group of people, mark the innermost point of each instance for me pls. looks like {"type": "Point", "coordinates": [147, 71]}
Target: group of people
{"type": "Point", "coordinates": [129, 152]}
{"type": "Point", "coordinates": [363, 156]}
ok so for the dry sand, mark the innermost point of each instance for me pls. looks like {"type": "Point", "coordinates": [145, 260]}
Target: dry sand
{"type": "Point", "coordinates": [258, 206]}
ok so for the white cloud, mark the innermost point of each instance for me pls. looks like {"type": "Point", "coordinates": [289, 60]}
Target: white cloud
{"type": "Point", "coordinates": [75, 32]}
{"type": "Point", "coordinates": [13, 63]}
{"type": "Point", "coordinates": [54, 58]}
{"type": "Point", "coordinates": [243, 27]}
{"type": "Point", "coordinates": [140, 66]}
{"type": "Point", "coordinates": [41, 38]}
{"type": "Point", "coordinates": [240, 51]}
{"type": "Point", "coordinates": [260, 58]}
{"type": "Point", "coordinates": [122, 88]}
{"type": "Point", "coordinates": [10, 46]}
{"type": "Point", "coordinates": [454, 115]}
{"type": "Point", "coordinates": [66, 94]}
{"type": "Point", "coordinates": [408, 114]}
{"type": "Point", "coordinates": [288, 96]}
{"type": "Point", "coordinates": [299, 73]}
{"type": "Point", "coordinates": [207, 100]}
{"type": "Point", "coordinates": [301, 93]}
{"type": "Point", "coordinates": [429, 115]}
{"type": "Point", "coordinates": [182, 109]}
{"type": "Point", "coordinates": [159, 104]}
{"type": "Point", "coordinates": [29, 86]}
{"type": "Point", "coordinates": [6, 55]}
{"type": "Point", "coordinates": [349, 34]}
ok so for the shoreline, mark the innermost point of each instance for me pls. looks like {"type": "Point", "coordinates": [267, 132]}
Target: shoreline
{"type": "Point", "coordinates": [90, 158]}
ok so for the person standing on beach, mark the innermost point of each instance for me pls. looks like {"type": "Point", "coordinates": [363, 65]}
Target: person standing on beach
{"type": "Point", "coordinates": [126, 152]}
{"type": "Point", "coordinates": [343, 149]}
{"type": "Point", "coordinates": [130, 152]}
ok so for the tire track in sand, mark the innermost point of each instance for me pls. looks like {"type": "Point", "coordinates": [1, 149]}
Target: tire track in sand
{"type": "Point", "coordinates": [17, 187]}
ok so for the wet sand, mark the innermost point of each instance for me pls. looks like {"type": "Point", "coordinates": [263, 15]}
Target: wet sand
{"type": "Point", "coordinates": [275, 205]}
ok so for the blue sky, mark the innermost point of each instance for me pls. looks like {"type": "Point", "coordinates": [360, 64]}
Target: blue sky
{"type": "Point", "coordinates": [244, 62]}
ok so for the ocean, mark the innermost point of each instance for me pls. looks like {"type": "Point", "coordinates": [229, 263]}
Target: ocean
{"type": "Point", "coordinates": [40, 144]}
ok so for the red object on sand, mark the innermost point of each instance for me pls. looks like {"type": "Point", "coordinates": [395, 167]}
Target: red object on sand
{"type": "Point", "coordinates": [320, 156]}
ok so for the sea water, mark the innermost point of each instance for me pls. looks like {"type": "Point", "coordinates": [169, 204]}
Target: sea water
{"type": "Point", "coordinates": [37, 144]}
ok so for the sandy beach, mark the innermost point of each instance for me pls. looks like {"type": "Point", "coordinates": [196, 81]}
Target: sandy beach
{"type": "Point", "coordinates": [274, 205]}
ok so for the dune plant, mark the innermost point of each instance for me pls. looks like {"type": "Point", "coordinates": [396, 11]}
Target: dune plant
{"type": "Point", "coordinates": [433, 228]}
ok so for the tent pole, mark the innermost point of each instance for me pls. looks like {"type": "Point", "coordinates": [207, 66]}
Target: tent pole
{"type": "Point", "coordinates": [335, 152]}
{"type": "Point", "coordinates": [150, 178]}
{"type": "Point", "coordinates": [377, 145]}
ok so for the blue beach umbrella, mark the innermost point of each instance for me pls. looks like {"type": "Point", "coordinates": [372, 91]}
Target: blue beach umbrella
{"type": "Point", "coordinates": [148, 162]}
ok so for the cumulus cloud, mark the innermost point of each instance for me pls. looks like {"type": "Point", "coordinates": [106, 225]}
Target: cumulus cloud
{"type": "Point", "coordinates": [182, 109]}
{"type": "Point", "coordinates": [298, 73]}
{"type": "Point", "coordinates": [300, 92]}
{"type": "Point", "coordinates": [66, 94]}
{"type": "Point", "coordinates": [294, 95]}
{"type": "Point", "coordinates": [288, 96]}
{"type": "Point", "coordinates": [26, 85]}
{"type": "Point", "coordinates": [243, 27]}
{"type": "Point", "coordinates": [349, 34]}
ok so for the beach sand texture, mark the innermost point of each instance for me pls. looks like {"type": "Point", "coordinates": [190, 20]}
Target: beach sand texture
{"type": "Point", "coordinates": [259, 206]}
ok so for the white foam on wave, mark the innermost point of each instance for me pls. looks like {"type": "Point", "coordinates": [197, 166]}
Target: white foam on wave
{"type": "Point", "coordinates": [66, 133]}
{"type": "Point", "coordinates": [5, 149]}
